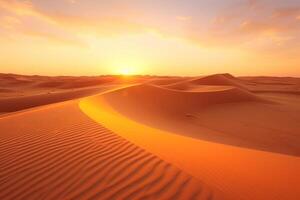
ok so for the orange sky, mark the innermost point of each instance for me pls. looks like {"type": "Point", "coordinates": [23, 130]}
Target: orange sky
{"type": "Point", "coordinates": [170, 37]}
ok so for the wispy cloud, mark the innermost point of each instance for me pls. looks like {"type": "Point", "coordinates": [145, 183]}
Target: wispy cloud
{"type": "Point", "coordinates": [183, 18]}
{"type": "Point", "coordinates": [254, 19]}
{"type": "Point", "coordinates": [251, 23]}
{"type": "Point", "coordinates": [292, 12]}
{"type": "Point", "coordinates": [72, 1]}
{"type": "Point", "coordinates": [22, 8]}
{"type": "Point", "coordinates": [71, 25]}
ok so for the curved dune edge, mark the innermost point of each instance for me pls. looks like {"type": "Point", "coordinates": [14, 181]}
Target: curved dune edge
{"type": "Point", "coordinates": [240, 173]}
{"type": "Point", "coordinates": [59, 153]}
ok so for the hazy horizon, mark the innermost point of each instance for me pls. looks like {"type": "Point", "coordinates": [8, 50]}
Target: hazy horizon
{"type": "Point", "coordinates": [154, 75]}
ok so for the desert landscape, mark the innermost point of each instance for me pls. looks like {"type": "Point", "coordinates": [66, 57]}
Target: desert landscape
{"type": "Point", "coordinates": [149, 100]}
{"type": "Point", "coordinates": [144, 137]}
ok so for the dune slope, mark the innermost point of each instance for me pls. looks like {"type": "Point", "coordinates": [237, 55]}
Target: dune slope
{"type": "Point", "coordinates": [19, 92]}
{"type": "Point", "coordinates": [18, 103]}
{"type": "Point", "coordinates": [240, 173]}
{"type": "Point", "coordinates": [57, 152]}
{"type": "Point", "coordinates": [212, 80]}
{"type": "Point", "coordinates": [229, 115]}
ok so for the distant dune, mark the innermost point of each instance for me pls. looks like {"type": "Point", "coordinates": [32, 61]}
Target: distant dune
{"type": "Point", "coordinates": [213, 80]}
{"type": "Point", "coordinates": [147, 137]}
{"type": "Point", "coordinates": [18, 92]}
{"type": "Point", "coordinates": [4, 90]}
{"type": "Point", "coordinates": [228, 116]}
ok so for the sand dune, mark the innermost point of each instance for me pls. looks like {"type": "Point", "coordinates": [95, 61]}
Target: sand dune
{"type": "Point", "coordinates": [11, 104]}
{"type": "Point", "coordinates": [162, 98]}
{"type": "Point", "coordinates": [216, 137]}
{"type": "Point", "coordinates": [19, 92]}
{"type": "Point", "coordinates": [4, 90]}
{"type": "Point", "coordinates": [287, 85]}
{"type": "Point", "coordinates": [71, 83]}
{"type": "Point", "coordinates": [240, 173]}
{"type": "Point", "coordinates": [57, 152]}
{"type": "Point", "coordinates": [161, 81]}
{"type": "Point", "coordinates": [228, 115]}
{"type": "Point", "coordinates": [213, 80]}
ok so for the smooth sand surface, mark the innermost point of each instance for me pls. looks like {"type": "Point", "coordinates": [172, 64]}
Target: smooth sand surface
{"type": "Point", "coordinates": [210, 137]}
{"type": "Point", "coordinates": [230, 116]}
{"type": "Point", "coordinates": [239, 124]}
{"type": "Point", "coordinates": [240, 173]}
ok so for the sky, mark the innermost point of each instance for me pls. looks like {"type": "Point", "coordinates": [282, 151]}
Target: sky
{"type": "Point", "coordinates": [156, 37]}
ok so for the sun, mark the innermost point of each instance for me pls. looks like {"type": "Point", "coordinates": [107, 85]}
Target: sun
{"type": "Point", "coordinates": [126, 71]}
{"type": "Point", "coordinates": [127, 67]}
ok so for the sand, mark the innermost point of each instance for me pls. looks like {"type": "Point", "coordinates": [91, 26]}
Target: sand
{"type": "Point", "coordinates": [57, 152]}
{"type": "Point", "coordinates": [214, 137]}
{"type": "Point", "coordinates": [19, 92]}
{"type": "Point", "coordinates": [218, 115]}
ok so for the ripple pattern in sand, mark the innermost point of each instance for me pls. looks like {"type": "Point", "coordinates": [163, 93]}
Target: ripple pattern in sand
{"type": "Point", "coordinates": [59, 153]}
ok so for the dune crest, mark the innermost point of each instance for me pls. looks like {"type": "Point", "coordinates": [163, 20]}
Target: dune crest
{"type": "Point", "coordinates": [161, 108]}
{"type": "Point", "coordinates": [212, 80]}
{"type": "Point", "coordinates": [167, 99]}
{"type": "Point", "coordinates": [240, 173]}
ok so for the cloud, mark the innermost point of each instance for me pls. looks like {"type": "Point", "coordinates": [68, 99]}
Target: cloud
{"type": "Point", "coordinates": [106, 25]}
{"type": "Point", "coordinates": [292, 12]}
{"type": "Point", "coordinates": [54, 38]}
{"type": "Point", "coordinates": [59, 26]}
{"type": "Point", "coordinates": [18, 7]}
{"type": "Point", "coordinates": [258, 27]}
{"type": "Point", "coordinates": [22, 8]}
{"type": "Point", "coordinates": [183, 18]}
{"type": "Point", "coordinates": [257, 21]}
{"type": "Point", "coordinates": [72, 1]}
{"type": "Point", "coordinates": [245, 23]}
{"type": "Point", "coordinates": [9, 22]}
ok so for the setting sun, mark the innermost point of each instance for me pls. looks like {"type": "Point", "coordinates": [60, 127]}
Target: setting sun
{"type": "Point", "coordinates": [127, 66]}
{"type": "Point", "coordinates": [126, 71]}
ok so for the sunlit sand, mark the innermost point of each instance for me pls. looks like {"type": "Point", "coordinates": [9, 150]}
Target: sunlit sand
{"type": "Point", "coordinates": [149, 100]}
{"type": "Point", "coordinates": [135, 137]}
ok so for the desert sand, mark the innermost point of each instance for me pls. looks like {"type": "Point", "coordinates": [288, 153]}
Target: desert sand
{"type": "Point", "coordinates": [19, 92]}
{"type": "Point", "coordinates": [210, 137]}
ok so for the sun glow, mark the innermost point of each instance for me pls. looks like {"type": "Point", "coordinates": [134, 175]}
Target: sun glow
{"type": "Point", "coordinates": [126, 71]}
{"type": "Point", "coordinates": [128, 66]}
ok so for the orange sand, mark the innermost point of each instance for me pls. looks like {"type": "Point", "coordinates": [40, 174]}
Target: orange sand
{"type": "Point", "coordinates": [57, 152]}
{"type": "Point", "coordinates": [149, 116]}
{"type": "Point", "coordinates": [215, 137]}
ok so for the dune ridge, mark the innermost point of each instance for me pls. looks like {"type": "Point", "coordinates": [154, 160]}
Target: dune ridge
{"type": "Point", "coordinates": [240, 173]}
{"type": "Point", "coordinates": [227, 115]}
{"type": "Point", "coordinates": [161, 98]}
{"type": "Point", "coordinates": [212, 80]}
{"type": "Point", "coordinates": [161, 108]}
{"type": "Point", "coordinates": [13, 104]}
